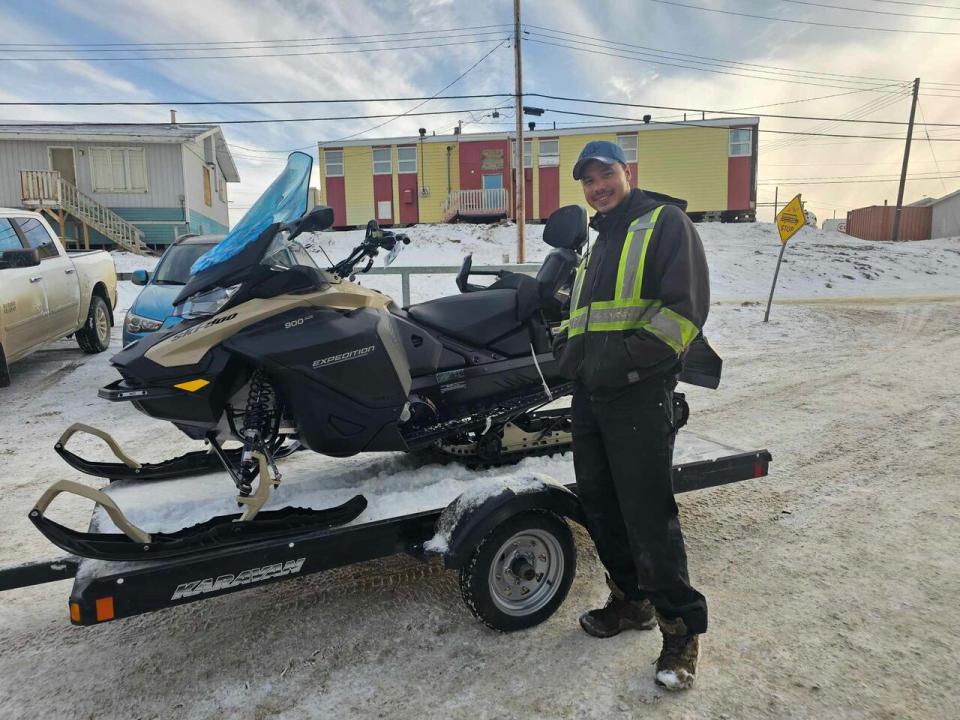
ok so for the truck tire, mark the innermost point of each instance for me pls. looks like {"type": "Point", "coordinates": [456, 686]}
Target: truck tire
{"type": "Point", "coordinates": [94, 336]}
{"type": "Point", "coordinates": [520, 572]}
{"type": "Point", "coordinates": [4, 370]}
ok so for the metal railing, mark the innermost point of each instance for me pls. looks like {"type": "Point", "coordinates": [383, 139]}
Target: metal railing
{"type": "Point", "coordinates": [406, 271]}
{"type": "Point", "coordinates": [46, 189]}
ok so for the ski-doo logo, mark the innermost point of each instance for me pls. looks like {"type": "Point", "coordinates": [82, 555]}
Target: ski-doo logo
{"type": "Point", "coordinates": [224, 582]}
{"type": "Point", "coordinates": [343, 357]}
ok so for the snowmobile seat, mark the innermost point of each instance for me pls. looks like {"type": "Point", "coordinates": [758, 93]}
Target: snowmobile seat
{"type": "Point", "coordinates": [477, 318]}
{"type": "Point", "coordinates": [528, 297]}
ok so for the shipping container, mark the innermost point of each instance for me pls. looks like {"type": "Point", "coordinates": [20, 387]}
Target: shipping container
{"type": "Point", "coordinates": [876, 223]}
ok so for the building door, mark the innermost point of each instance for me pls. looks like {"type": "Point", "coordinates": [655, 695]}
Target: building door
{"type": "Point", "coordinates": [492, 192]}
{"type": "Point", "coordinates": [63, 161]}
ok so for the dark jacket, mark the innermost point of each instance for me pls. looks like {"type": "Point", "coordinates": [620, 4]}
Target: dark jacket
{"type": "Point", "coordinates": [675, 272]}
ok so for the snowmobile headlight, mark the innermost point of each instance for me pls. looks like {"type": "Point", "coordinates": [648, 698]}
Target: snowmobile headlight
{"type": "Point", "coordinates": [139, 324]}
{"type": "Point", "coordinates": [207, 303]}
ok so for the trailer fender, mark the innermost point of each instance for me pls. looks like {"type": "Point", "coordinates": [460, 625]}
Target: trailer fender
{"type": "Point", "coordinates": [461, 528]}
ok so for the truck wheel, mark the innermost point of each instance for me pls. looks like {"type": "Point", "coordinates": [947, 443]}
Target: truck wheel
{"type": "Point", "coordinates": [4, 370]}
{"type": "Point", "coordinates": [520, 572]}
{"type": "Point", "coordinates": [94, 336]}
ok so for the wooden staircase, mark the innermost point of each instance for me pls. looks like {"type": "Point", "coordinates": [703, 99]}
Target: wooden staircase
{"type": "Point", "coordinates": [46, 190]}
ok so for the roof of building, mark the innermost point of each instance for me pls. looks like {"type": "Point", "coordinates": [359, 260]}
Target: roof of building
{"type": "Point", "coordinates": [116, 132]}
{"type": "Point", "coordinates": [541, 132]}
{"type": "Point", "coordinates": [946, 197]}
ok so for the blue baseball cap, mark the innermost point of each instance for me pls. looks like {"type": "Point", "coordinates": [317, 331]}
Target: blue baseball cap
{"type": "Point", "coordinates": [603, 150]}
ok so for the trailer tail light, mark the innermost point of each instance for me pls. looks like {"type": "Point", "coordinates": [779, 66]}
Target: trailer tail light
{"type": "Point", "coordinates": [105, 608]}
{"type": "Point", "coordinates": [758, 470]}
{"type": "Point", "coordinates": [75, 612]}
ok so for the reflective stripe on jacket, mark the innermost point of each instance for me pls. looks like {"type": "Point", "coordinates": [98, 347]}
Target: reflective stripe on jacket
{"type": "Point", "coordinates": [634, 319]}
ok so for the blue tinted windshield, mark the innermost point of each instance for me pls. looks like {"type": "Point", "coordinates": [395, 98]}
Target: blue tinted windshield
{"type": "Point", "coordinates": [283, 201]}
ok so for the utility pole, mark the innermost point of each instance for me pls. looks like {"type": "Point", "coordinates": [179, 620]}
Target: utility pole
{"type": "Point", "coordinates": [906, 159]}
{"type": "Point", "coordinates": [518, 152]}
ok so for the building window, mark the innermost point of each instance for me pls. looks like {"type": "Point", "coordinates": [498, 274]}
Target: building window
{"type": "Point", "coordinates": [741, 142]}
{"type": "Point", "coordinates": [628, 143]}
{"type": "Point", "coordinates": [527, 153]}
{"type": "Point", "coordinates": [381, 161]}
{"type": "Point", "coordinates": [119, 169]}
{"type": "Point", "coordinates": [406, 159]}
{"type": "Point", "coordinates": [549, 152]}
{"type": "Point", "coordinates": [221, 186]}
{"type": "Point", "coordinates": [333, 163]}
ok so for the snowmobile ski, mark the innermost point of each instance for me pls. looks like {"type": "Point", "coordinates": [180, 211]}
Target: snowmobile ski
{"type": "Point", "coordinates": [199, 462]}
{"type": "Point", "coordinates": [216, 533]}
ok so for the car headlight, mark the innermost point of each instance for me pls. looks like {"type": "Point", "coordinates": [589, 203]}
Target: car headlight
{"type": "Point", "coordinates": [207, 303]}
{"type": "Point", "coordinates": [138, 324]}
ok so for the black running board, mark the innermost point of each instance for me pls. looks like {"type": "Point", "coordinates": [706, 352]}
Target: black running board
{"type": "Point", "coordinates": [214, 534]}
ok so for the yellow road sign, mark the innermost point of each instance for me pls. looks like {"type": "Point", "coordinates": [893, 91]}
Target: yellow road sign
{"type": "Point", "coordinates": [790, 219]}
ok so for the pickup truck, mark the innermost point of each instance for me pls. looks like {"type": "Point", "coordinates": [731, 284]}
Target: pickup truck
{"type": "Point", "coordinates": [47, 294]}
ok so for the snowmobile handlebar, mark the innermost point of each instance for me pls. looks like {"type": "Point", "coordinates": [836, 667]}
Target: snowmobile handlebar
{"type": "Point", "coordinates": [374, 240]}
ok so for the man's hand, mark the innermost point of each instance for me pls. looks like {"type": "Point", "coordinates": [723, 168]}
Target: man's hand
{"type": "Point", "coordinates": [559, 344]}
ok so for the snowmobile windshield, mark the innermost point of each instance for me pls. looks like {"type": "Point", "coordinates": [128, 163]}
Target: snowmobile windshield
{"type": "Point", "coordinates": [285, 200]}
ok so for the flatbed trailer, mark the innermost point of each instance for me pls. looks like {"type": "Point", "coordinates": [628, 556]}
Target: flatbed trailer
{"type": "Point", "coordinates": [470, 537]}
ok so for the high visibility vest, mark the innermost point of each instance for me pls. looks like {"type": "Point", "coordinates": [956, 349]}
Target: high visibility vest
{"type": "Point", "coordinates": [629, 310]}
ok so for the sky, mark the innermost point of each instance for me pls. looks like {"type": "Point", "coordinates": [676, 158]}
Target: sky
{"type": "Point", "coordinates": [678, 53]}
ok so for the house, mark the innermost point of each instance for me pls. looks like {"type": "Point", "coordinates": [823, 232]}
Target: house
{"type": "Point", "coordinates": [945, 216]}
{"type": "Point", "coordinates": [131, 186]}
{"type": "Point", "coordinates": [442, 178]}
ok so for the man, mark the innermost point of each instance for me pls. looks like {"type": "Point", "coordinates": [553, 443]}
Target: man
{"type": "Point", "coordinates": [640, 296]}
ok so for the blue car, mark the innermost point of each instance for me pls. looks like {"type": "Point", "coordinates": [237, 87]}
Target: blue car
{"type": "Point", "coordinates": [153, 307]}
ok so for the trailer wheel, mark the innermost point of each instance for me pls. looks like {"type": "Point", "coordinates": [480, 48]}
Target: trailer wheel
{"type": "Point", "coordinates": [520, 572]}
{"type": "Point", "coordinates": [94, 336]}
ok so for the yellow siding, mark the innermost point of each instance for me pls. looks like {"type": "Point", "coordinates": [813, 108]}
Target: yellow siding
{"type": "Point", "coordinates": [433, 171]}
{"type": "Point", "coordinates": [689, 163]}
{"type": "Point", "coordinates": [323, 177]}
{"type": "Point", "coordinates": [570, 147]}
{"type": "Point", "coordinates": [358, 184]}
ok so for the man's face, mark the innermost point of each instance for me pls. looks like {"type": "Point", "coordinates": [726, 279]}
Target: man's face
{"type": "Point", "coordinates": [605, 186]}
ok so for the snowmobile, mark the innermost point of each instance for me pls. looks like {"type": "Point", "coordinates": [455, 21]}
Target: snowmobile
{"type": "Point", "coordinates": [277, 354]}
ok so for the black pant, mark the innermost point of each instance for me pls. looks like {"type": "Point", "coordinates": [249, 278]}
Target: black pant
{"type": "Point", "coordinates": [623, 455]}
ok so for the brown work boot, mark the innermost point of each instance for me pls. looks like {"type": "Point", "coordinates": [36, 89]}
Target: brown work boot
{"type": "Point", "coordinates": [677, 664]}
{"type": "Point", "coordinates": [617, 615]}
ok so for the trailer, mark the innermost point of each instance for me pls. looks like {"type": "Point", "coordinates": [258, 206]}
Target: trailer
{"type": "Point", "coordinates": [507, 536]}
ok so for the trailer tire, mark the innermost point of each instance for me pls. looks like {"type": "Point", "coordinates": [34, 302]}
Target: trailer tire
{"type": "Point", "coordinates": [500, 584]}
{"type": "Point", "coordinates": [4, 370]}
{"type": "Point", "coordinates": [94, 336]}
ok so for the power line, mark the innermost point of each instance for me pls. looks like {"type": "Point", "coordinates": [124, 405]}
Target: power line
{"type": "Point", "coordinates": [445, 87]}
{"type": "Point", "coordinates": [313, 101]}
{"type": "Point", "coordinates": [277, 40]}
{"type": "Point", "coordinates": [918, 4]}
{"type": "Point", "coordinates": [379, 41]}
{"type": "Point", "coordinates": [720, 112]}
{"type": "Point", "coordinates": [802, 22]}
{"type": "Point", "coordinates": [759, 130]}
{"type": "Point", "coordinates": [259, 55]}
{"type": "Point", "coordinates": [930, 146]}
{"type": "Point", "coordinates": [791, 80]}
{"type": "Point", "coordinates": [866, 10]}
{"type": "Point", "coordinates": [713, 60]}
{"type": "Point", "coordinates": [41, 129]}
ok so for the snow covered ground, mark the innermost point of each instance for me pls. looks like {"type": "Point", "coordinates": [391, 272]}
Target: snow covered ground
{"type": "Point", "coordinates": [832, 583]}
{"type": "Point", "coordinates": [742, 257]}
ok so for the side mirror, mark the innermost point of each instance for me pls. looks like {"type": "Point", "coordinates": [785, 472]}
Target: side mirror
{"type": "Point", "coordinates": [320, 218]}
{"type": "Point", "coordinates": [140, 277]}
{"type": "Point", "coordinates": [20, 258]}
{"type": "Point", "coordinates": [566, 228]}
